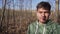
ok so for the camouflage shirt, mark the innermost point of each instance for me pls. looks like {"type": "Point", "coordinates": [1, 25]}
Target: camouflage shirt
{"type": "Point", "coordinates": [48, 28]}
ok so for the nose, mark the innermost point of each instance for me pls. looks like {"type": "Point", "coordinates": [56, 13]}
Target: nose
{"type": "Point", "coordinates": [43, 14]}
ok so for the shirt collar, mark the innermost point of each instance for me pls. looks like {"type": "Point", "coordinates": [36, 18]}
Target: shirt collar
{"type": "Point", "coordinates": [43, 24]}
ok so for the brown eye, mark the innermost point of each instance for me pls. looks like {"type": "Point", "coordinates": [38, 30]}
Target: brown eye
{"type": "Point", "coordinates": [40, 12]}
{"type": "Point", "coordinates": [47, 12]}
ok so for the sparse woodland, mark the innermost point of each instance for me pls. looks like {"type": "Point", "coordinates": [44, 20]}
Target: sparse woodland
{"type": "Point", "coordinates": [14, 21]}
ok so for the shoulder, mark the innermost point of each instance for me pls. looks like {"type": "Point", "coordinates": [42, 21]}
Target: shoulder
{"type": "Point", "coordinates": [55, 25]}
{"type": "Point", "coordinates": [53, 22]}
{"type": "Point", "coordinates": [31, 27]}
{"type": "Point", "coordinates": [32, 24]}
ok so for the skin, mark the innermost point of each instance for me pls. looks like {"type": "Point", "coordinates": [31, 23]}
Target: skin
{"type": "Point", "coordinates": [43, 15]}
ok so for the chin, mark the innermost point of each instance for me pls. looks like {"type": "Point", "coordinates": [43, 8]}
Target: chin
{"type": "Point", "coordinates": [43, 21]}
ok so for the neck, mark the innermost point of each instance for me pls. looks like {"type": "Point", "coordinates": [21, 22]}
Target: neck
{"type": "Point", "coordinates": [43, 22]}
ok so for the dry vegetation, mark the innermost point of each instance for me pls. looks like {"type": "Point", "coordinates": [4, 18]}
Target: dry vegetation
{"type": "Point", "coordinates": [17, 21]}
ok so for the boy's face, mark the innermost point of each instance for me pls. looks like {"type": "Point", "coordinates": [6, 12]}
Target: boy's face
{"type": "Point", "coordinates": [43, 15]}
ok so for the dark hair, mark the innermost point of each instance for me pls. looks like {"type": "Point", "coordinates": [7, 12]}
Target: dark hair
{"type": "Point", "coordinates": [44, 5]}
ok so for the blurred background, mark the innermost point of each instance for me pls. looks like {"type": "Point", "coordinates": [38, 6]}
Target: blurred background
{"type": "Point", "coordinates": [16, 15]}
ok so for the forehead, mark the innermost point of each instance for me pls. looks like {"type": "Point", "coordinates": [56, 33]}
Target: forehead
{"type": "Point", "coordinates": [42, 9]}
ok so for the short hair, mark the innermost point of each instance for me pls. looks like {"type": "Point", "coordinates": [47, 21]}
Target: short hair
{"type": "Point", "coordinates": [44, 5]}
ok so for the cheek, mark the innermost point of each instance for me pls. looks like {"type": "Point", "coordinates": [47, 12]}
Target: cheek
{"type": "Point", "coordinates": [47, 15]}
{"type": "Point", "coordinates": [38, 15]}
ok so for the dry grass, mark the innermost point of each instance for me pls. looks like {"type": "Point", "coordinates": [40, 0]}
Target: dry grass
{"type": "Point", "coordinates": [17, 22]}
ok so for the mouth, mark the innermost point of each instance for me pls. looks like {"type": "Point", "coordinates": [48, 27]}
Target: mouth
{"type": "Point", "coordinates": [43, 18]}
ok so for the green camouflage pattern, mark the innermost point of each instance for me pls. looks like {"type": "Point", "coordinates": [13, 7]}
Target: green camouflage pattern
{"type": "Point", "coordinates": [50, 28]}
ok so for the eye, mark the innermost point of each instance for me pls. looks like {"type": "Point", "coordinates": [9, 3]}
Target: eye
{"type": "Point", "coordinates": [46, 12]}
{"type": "Point", "coordinates": [40, 12]}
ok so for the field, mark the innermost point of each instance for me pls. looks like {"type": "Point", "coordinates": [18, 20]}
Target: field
{"type": "Point", "coordinates": [17, 21]}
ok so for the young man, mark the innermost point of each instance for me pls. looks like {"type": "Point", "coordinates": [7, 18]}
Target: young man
{"type": "Point", "coordinates": [43, 25]}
